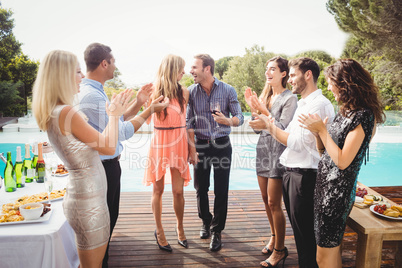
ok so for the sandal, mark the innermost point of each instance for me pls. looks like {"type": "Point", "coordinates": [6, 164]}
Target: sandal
{"type": "Point", "coordinates": [267, 250]}
{"type": "Point", "coordinates": [281, 260]}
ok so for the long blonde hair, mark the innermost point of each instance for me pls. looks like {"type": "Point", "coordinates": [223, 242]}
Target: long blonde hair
{"type": "Point", "coordinates": [166, 83]}
{"type": "Point", "coordinates": [54, 84]}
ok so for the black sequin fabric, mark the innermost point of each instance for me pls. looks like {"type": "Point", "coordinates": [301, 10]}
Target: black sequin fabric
{"type": "Point", "coordinates": [335, 189]}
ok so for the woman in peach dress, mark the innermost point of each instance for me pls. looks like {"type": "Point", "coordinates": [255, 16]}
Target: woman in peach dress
{"type": "Point", "coordinates": [168, 154]}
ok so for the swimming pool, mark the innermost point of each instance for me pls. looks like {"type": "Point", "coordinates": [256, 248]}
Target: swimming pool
{"type": "Point", "coordinates": [382, 169]}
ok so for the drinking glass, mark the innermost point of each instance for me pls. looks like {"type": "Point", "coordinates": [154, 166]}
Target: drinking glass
{"type": "Point", "coordinates": [48, 186]}
{"type": "Point", "coordinates": [214, 108]}
{"type": "Point", "coordinates": [49, 179]}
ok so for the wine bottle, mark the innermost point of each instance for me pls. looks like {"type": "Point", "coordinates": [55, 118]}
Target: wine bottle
{"type": "Point", "coordinates": [18, 171]}
{"type": "Point", "coordinates": [40, 166]}
{"type": "Point", "coordinates": [10, 184]}
{"type": "Point", "coordinates": [27, 165]}
{"type": "Point", "coordinates": [35, 160]}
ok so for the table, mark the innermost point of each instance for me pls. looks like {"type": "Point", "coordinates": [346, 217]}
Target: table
{"type": "Point", "coordinates": [372, 230]}
{"type": "Point", "coordinates": [45, 244]}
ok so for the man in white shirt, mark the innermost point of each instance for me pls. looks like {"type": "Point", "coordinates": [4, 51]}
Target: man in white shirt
{"type": "Point", "coordinates": [301, 157]}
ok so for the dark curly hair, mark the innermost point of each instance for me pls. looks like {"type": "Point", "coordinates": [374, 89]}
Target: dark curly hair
{"type": "Point", "coordinates": [357, 89]}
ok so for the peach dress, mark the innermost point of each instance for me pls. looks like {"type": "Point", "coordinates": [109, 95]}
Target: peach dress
{"type": "Point", "coordinates": [169, 147]}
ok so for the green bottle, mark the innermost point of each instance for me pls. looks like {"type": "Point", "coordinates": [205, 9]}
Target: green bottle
{"type": "Point", "coordinates": [35, 160]}
{"type": "Point", "coordinates": [27, 165]}
{"type": "Point", "coordinates": [10, 184]}
{"type": "Point", "coordinates": [18, 172]}
{"type": "Point", "coordinates": [40, 166]}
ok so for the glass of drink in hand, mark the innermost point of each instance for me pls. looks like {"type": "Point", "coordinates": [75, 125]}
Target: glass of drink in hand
{"type": "Point", "coordinates": [214, 108]}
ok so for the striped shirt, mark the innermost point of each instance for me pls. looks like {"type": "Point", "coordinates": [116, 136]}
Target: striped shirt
{"type": "Point", "coordinates": [199, 115]}
{"type": "Point", "coordinates": [92, 103]}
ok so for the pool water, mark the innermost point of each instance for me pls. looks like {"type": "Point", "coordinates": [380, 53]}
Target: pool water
{"type": "Point", "coordinates": [382, 169]}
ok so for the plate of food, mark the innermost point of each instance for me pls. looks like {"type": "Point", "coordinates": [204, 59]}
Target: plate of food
{"type": "Point", "coordinates": [393, 212]}
{"type": "Point", "coordinates": [14, 217]}
{"type": "Point", "coordinates": [55, 195]}
{"type": "Point", "coordinates": [36, 198]}
{"type": "Point", "coordinates": [61, 171]}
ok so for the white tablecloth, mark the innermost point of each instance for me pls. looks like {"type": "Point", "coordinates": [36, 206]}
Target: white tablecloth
{"type": "Point", "coordinates": [45, 244]}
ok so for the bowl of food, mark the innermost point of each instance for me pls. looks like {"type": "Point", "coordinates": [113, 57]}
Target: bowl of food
{"type": "Point", "coordinates": [31, 211]}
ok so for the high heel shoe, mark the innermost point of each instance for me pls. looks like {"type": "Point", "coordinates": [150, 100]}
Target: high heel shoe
{"type": "Point", "coordinates": [182, 243]}
{"type": "Point", "coordinates": [268, 251]}
{"type": "Point", "coordinates": [167, 248]}
{"type": "Point", "coordinates": [282, 259]}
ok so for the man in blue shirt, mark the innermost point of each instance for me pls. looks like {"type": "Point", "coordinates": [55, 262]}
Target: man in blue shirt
{"type": "Point", "coordinates": [100, 68]}
{"type": "Point", "coordinates": [208, 127]}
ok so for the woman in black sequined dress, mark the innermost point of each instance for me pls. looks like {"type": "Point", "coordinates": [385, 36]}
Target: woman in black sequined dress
{"type": "Point", "coordinates": [343, 147]}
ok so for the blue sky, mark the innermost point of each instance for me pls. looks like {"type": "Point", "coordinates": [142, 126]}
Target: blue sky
{"type": "Point", "coordinates": [141, 33]}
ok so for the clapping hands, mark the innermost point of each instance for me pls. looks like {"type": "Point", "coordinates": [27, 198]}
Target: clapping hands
{"type": "Point", "coordinates": [119, 103]}
{"type": "Point", "coordinates": [313, 123]}
{"type": "Point", "coordinates": [254, 103]}
{"type": "Point", "coordinates": [248, 95]}
{"type": "Point", "coordinates": [144, 93]}
{"type": "Point", "coordinates": [261, 121]}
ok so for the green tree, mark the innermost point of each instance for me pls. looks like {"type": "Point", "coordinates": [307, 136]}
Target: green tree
{"type": "Point", "coordinates": [10, 101]}
{"type": "Point", "coordinates": [318, 56]}
{"type": "Point", "coordinates": [114, 85]}
{"type": "Point", "coordinates": [248, 71]}
{"type": "Point", "coordinates": [187, 80]}
{"type": "Point", "coordinates": [17, 71]}
{"type": "Point", "coordinates": [9, 46]}
{"type": "Point", "coordinates": [116, 82]}
{"type": "Point", "coordinates": [24, 70]}
{"type": "Point", "coordinates": [387, 74]}
{"type": "Point", "coordinates": [377, 22]}
{"type": "Point", "coordinates": [221, 66]}
{"type": "Point", "coordinates": [376, 41]}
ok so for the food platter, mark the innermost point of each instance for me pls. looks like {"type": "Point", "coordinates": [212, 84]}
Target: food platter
{"type": "Point", "coordinates": [36, 198]}
{"type": "Point", "coordinates": [61, 171]}
{"type": "Point", "coordinates": [60, 175]}
{"type": "Point", "coordinates": [382, 215]}
{"type": "Point", "coordinates": [51, 200]}
{"type": "Point", "coordinates": [44, 218]}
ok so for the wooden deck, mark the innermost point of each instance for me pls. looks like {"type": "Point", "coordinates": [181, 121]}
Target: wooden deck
{"type": "Point", "coordinates": [247, 229]}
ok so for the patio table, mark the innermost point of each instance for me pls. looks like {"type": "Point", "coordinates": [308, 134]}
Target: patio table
{"type": "Point", "coordinates": [45, 244]}
{"type": "Point", "coordinates": [372, 230]}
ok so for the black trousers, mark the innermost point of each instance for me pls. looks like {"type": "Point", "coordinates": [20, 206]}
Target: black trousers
{"type": "Point", "coordinates": [216, 153]}
{"type": "Point", "coordinates": [113, 174]}
{"type": "Point", "coordinates": [298, 196]}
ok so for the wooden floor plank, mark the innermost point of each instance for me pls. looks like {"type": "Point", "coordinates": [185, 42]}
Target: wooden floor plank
{"type": "Point", "coordinates": [246, 232]}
